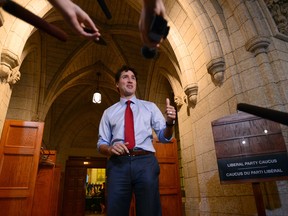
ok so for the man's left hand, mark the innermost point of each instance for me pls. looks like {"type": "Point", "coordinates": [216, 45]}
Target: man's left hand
{"type": "Point", "coordinates": [170, 113]}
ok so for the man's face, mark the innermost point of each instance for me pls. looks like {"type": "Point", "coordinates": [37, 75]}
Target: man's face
{"type": "Point", "coordinates": [127, 84]}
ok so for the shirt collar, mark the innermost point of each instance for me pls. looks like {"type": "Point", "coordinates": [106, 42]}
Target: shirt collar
{"type": "Point", "coordinates": [124, 100]}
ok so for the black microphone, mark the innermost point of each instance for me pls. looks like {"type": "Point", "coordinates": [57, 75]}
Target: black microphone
{"type": "Point", "coordinates": [157, 31]}
{"type": "Point", "coordinates": [22, 13]}
{"type": "Point", "coordinates": [105, 9]}
{"type": "Point", "coordinates": [148, 53]}
{"type": "Point", "coordinates": [273, 115]}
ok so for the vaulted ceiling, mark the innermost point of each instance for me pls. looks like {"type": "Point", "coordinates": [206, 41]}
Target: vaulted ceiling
{"type": "Point", "coordinates": [68, 71]}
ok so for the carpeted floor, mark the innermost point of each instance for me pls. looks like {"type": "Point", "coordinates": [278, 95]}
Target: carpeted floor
{"type": "Point", "coordinates": [92, 214]}
{"type": "Point", "coordinates": [89, 213]}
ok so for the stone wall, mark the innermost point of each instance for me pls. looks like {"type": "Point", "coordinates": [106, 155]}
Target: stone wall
{"type": "Point", "coordinates": [224, 53]}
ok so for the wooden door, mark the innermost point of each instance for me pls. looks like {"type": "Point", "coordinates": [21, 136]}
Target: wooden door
{"type": "Point", "coordinates": [169, 179]}
{"type": "Point", "coordinates": [74, 191]}
{"type": "Point", "coordinates": [19, 157]}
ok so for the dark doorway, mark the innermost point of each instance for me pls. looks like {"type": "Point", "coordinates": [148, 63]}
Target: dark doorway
{"type": "Point", "coordinates": [95, 192]}
{"type": "Point", "coordinates": [75, 187]}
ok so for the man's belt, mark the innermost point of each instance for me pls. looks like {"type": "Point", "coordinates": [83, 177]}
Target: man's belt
{"type": "Point", "coordinates": [137, 152]}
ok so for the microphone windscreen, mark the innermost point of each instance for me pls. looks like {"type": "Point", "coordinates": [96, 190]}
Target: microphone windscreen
{"type": "Point", "coordinates": [148, 53]}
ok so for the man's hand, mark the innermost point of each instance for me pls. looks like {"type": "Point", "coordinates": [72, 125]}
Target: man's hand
{"type": "Point", "coordinates": [149, 9]}
{"type": "Point", "coordinates": [170, 113]}
{"type": "Point", "coordinates": [118, 149]}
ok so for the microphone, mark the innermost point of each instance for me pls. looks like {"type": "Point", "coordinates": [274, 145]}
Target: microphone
{"type": "Point", "coordinates": [157, 31]}
{"type": "Point", "coordinates": [101, 41]}
{"type": "Point", "coordinates": [27, 16]}
{"type": "Point", "coordinates": [273, 115]}
{"type": "Point", "coordinates": [148, 53]}
{"type": "Point", "coordinates": [104, 8]}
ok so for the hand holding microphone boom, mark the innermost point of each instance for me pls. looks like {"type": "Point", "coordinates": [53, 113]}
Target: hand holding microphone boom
{"type": "Point", "coordinates": [158, 30]}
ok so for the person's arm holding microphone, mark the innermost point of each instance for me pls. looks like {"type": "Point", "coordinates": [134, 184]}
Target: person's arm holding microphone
{"type": "Point", "coordinates": [78, 19]}
{"type": "Point", "coordinates": [149, 10]}
{"type": "Point", "coordinates": [153, 27]}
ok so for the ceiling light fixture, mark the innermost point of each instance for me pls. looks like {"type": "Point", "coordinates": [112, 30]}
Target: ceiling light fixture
{"type": "Point", "coordinates": [97, 95]}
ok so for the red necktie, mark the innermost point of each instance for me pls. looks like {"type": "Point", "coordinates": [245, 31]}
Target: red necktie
{"type": "Point", "coordinates": [129, 126]}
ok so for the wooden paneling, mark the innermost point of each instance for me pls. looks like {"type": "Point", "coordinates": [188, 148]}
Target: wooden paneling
{"type": "Point", "coordinates": [19, 157]}
{"type": "Point", "coordinates": [56, 190]}
{"type": "Point", "coordinates": [47, 186]}
{"type": "Point", "coordinates": [261, 136]}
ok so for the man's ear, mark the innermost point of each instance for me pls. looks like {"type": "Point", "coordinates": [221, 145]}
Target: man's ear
{"type": "Point", "coordinates": [117, 87]}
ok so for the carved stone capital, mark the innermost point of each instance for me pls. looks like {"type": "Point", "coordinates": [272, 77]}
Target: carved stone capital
{"type": "Point", "coordinates": [14, 76]}
{"type": "Point", "coordinates": [8, 62]}
{"type": "Point", "coordinates": [216, 68]}
{"type": "Point", "coordinates": [278, 10]}
{"type": "Point", "coordinates": [191, 91]}
{"type": "Point", "coordinates": [178, 101]}
{"type": "Point", "coordinates": [257, 45]}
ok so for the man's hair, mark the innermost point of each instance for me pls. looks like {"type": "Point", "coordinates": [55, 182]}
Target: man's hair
{"type": "Point", "coordinates": [122, 69]}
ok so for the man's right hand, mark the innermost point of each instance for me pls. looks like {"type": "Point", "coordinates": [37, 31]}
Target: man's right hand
{"type": "Point", "coordinates": [118, 149]}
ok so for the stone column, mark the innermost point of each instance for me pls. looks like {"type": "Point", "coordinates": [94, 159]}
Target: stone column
{"type": "Point", "coordinates": [9, 75]}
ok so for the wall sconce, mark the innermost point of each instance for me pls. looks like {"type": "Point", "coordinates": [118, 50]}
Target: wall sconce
{"type": "Point", "coordinates": [97, 95]}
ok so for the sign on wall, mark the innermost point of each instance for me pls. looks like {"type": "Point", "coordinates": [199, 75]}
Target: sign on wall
{"type": "Point", "coordinates": [249, 149]}
{"type": "Point", "coordinates": [253, 167]}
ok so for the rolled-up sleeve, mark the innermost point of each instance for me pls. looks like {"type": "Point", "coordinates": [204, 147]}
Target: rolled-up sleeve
{"type": "Point", "coordinates": [104, 137]}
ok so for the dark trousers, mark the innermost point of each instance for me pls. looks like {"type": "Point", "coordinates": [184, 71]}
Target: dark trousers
{"type": "Point", "coordinates": [133, 174]}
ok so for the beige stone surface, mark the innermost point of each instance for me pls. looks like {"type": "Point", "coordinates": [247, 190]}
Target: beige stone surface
{"type": "Point", "coordinates": [58, 80]}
